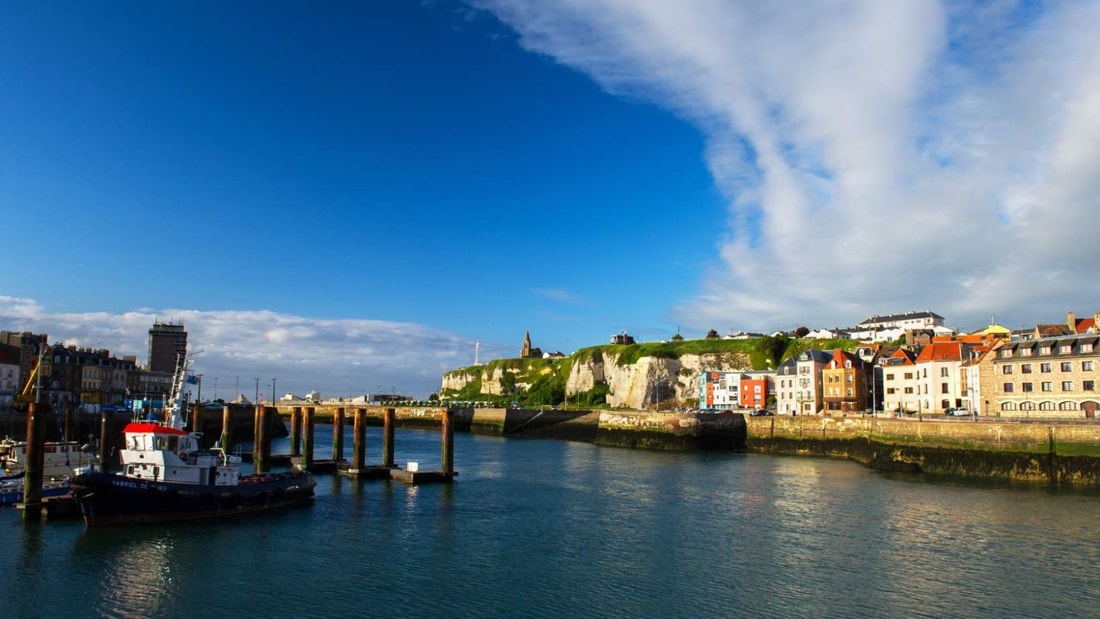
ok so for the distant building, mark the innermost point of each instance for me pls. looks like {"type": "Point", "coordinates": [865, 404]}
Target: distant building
{"type": "Point", "coordinates": [622, 338]}
{"type": "Point", "coordinates": [527, 351]}
{"type": "Point", "coordinates": [720, 390]}
{"type": "Point", "coordinates": [786, 377]}
{"type": "Point", "coordinates": [167, 342]}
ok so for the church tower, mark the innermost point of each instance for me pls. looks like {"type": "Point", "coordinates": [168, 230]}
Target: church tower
{"type": "Point", "coordinates": [525, 352]}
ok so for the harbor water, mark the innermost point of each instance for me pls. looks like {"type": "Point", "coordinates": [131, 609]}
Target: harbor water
{"type": "Point", "coordinates": [536, 528]}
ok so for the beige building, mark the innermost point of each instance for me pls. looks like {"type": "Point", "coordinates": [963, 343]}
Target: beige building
{"type": "Point", "coordinates": [1053, 377]}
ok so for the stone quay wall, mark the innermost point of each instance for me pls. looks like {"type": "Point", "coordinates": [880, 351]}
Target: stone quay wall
{"type": "Point", "coordinates": [1055, 452]}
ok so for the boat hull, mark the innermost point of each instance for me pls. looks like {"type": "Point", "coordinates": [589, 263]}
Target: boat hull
{"type": "Point", "coordinates": [12, 489]}
{"type": "Point", "coordinates": [108, 499]}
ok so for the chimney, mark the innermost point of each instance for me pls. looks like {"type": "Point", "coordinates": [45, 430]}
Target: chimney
{"type": "Point", "coordinates": [1071, 322]}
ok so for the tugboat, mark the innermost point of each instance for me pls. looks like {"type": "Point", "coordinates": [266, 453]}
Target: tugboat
{"type": "Point", "coordinates": [167, 477]}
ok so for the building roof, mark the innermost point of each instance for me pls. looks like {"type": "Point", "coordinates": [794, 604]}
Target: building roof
{"type": "Point", "coordinates": [896, 317]}
{"type": "Point", "coordinates": [941, 351]}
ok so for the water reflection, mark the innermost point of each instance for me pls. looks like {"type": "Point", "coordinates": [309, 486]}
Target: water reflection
{"type": "Point", "coordinates": [140, 567]}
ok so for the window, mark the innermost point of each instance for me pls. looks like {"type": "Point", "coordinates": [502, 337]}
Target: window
{"type": "Point", "coordinates": [1025, 368]}
{"type": "Point", "coordinates": [1047, 386]}
{"type": "Point", "coordinates": [1006, 354]}
{"type": "Point", "coordinates": [944, 372]}
{"type": "Point", "coordinates": [849, 393]}
{"type": "Point", "coordinates": [1088, 385]}
{"type": "Point", "coordinates": [890, 391]}
{"type": "Point", "coordinates": [1067, 406]}
{"type": "Point", "coordinates": [1025, 352]}
{"type": "Point", "coordinates": [1066, 366]}
{"type": "Point", "coordinates": [908, 376]}
{"type": "Point", "coordinates": [1007, 387]}
{"type": "Point", "coordinates": [1086, 366]}
{"type": "Point", "coordinates": [1066, 349]}
{"type": "Point", "coordinates": [1046, 405]}
{"type": "Point", "coordinates": [1026, 387]}
{"type": "Point", "coordinates": [943, 387]}
{"type": "Point", "coordinates": [1044, 368]}
{"type": "Point", "coordinates": [1086, 347]}
{"type": "Point", "coordinates": [889, 377]}
{"type": "Point", "coordinates": [1067, 385]}
{"type": "Point", "coordinates": [850, 377]}
{"type": "Point", "coordinates": [1006, 369]}
{"type": "Point", "coordinates": [1044, 350]}
{"type": "Point", "coordinates": [909, 390]}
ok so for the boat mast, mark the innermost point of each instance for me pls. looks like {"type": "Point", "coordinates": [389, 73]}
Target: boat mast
{"type": "Point", "coordinates": [175, 402]}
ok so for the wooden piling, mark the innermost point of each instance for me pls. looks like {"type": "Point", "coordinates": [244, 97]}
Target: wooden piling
{"type": "Point", "coordinates": [227, 428]}
{"type": "Point", "coordinates": [105, 443]}
{"type": "Point", "coordinates": [359, 441]}
{"type": "Point", "coordinates": [261, 446]}
{"type": "Point", "coordinates": [338, 435]}
{"type": "Point", "coordinates": [67, 413]}
{"type": "Point", "coordinates": [36, 460]}
{"type": "Point", "coordinates": [197, 417]}
{"type": "Point", "coordinates": [389, 422]}
{"type": "Point", "coordinates": [307, 431]}
{"type": "Point", "coordinates": [448, 454]}
{"type": "Point", "coordinates": [295, 431]}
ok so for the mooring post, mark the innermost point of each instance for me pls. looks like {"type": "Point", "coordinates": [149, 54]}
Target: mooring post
{"type": "Point", "coordinates": [67, 413]}
{"type": "Point", "coordinates": [36, 459]}
{"type": "Point", "coordinates": [261, 446]}
{"type": "Point", "coordinates": [338, 435]}
{"type": "Point", "coordinates": [196, 417]}
{"type": "Point", "coordinates": [307, 461]}
{"type": "Point", "coordinates": [389, 420]}
{"type": "Point", "coordinates": [295, 431]}
{"type": "Point", "coordinates": [448, 443]}
{"type": "Point", "coordinates": [104, 443]}
{"type": "Point", "coordinates": [227, 428]}
{"type": "Point", "coordinates": [359, 440]}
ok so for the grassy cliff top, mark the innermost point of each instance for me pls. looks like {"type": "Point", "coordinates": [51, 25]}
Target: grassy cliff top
{"type": "Point", "coordinates": [763, 352]}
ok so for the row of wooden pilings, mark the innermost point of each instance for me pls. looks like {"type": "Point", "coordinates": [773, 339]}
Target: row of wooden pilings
{"type": "Point", "coordinates": [302, 425]}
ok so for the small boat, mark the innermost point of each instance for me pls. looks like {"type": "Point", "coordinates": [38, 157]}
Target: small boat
{"type": "Point", "coordinates": [61, 460]}
{"type": "Point", "coordinates": [11, 488]}
{"type": "Point", "coordinates": [166, 477]}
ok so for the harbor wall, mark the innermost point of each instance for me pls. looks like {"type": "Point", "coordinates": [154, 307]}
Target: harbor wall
{"type": "Point", "coordinates": [1056, 453]}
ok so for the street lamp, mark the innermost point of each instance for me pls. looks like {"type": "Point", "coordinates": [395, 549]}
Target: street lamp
{"type": "Point", "coordinates": [273, 379]}
{"type": "Point", "coordinates": [257, 400]}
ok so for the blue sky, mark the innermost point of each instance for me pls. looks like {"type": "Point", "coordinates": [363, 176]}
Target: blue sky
{"type": "Point", "coordinates": [348, 194]}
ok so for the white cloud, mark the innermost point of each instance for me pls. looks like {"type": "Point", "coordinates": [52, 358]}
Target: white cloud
{"type": "Point", "coordinates": [877, 156]}
{"type": "Point", "coordinates": [337, 357]}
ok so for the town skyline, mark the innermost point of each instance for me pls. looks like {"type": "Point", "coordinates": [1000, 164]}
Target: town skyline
{"type": "Point", "coordinates": [231, 350]}
{"type": "Point", "coordinates": [358, 194]}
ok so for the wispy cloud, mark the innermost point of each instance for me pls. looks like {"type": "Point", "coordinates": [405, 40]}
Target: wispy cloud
{"type": "Point", "coordinates": [881, 156]}
{"type": "Point", "coordinates": [337, 357]}
{"type": "Point", "coordinates": [556, 294]}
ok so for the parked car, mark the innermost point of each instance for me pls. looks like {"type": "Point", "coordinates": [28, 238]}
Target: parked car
{"type": "Point", "coordinates": [957, 412]}
{"type": "Point", "coordinates": [761, 413]}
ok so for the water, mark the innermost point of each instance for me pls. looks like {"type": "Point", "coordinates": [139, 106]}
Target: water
{"type": "Point", "coordinates": [556, 529]}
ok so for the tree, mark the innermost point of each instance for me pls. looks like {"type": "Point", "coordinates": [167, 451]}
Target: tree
{"type": "Point", "coordinates": [712, 335]}
{"type": "Point", "coordinates": [801, 332]}
{"type": "Point", "coordinates": [772, 347]}
{"type": "Point", "coordinates": [507, 383]}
